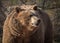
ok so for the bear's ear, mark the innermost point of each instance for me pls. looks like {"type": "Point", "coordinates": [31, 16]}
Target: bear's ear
{"type": "Point", "coordinates": [18, 9]}
{"type": "Point", "coordinates": [35, 8]}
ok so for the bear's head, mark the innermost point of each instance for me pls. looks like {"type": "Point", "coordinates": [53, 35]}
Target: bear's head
{"type": "Point", "coordinates": [29, 18]}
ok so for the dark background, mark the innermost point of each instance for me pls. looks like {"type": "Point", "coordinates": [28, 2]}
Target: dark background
{"type": "Point", "coordinates": [52, 7]}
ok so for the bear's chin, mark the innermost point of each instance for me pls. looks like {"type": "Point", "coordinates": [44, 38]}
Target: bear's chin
{"type": "Point", "coordinates": [35, 25]}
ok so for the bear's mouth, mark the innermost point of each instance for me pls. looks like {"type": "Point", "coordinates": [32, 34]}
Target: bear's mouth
{"type": "Point", "coordinates": [35, 25]}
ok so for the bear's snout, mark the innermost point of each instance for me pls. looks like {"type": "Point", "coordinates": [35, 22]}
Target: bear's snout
{"type": "Point", "coordinates": [35, 21]}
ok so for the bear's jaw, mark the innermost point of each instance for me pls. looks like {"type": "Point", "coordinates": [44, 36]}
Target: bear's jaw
{"type": "Point", "coordinates": [31, 28]}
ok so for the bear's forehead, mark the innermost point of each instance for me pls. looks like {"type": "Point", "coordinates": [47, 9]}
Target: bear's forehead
{"type": "Point", "coordinates": [28, 10]}
{"type": "Point", "coordinates": [27, 7]}
{"type": "Point", "coordinates": [27, 13]}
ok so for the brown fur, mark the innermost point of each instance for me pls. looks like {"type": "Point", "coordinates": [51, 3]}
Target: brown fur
{"type": "Point", "coordinates": [15, 30]}
{"type": "Point", "coordinates": [45, 32]}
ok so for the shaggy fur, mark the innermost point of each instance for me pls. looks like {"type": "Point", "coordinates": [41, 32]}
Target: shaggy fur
{"type": "Point", "coordinates": [15, 32]}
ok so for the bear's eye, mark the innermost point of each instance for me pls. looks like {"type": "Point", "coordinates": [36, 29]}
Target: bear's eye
{"type": "Point", "coordinates": [31, 15]}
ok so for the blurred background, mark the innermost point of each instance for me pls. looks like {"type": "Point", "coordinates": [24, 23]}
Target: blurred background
{"type": "Point", "coordinates": [52, 7]}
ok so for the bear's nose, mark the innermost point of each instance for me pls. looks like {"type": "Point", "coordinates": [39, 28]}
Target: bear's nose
{"type": "Point", "coordinates": [38, 22]}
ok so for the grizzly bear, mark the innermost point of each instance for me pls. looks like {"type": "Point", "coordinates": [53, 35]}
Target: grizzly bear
{"type": "Point", "coordinates": [27, 24]}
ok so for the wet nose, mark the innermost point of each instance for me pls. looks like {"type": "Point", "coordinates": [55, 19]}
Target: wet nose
{"type": "Point", "coordinates": [38, 22]}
